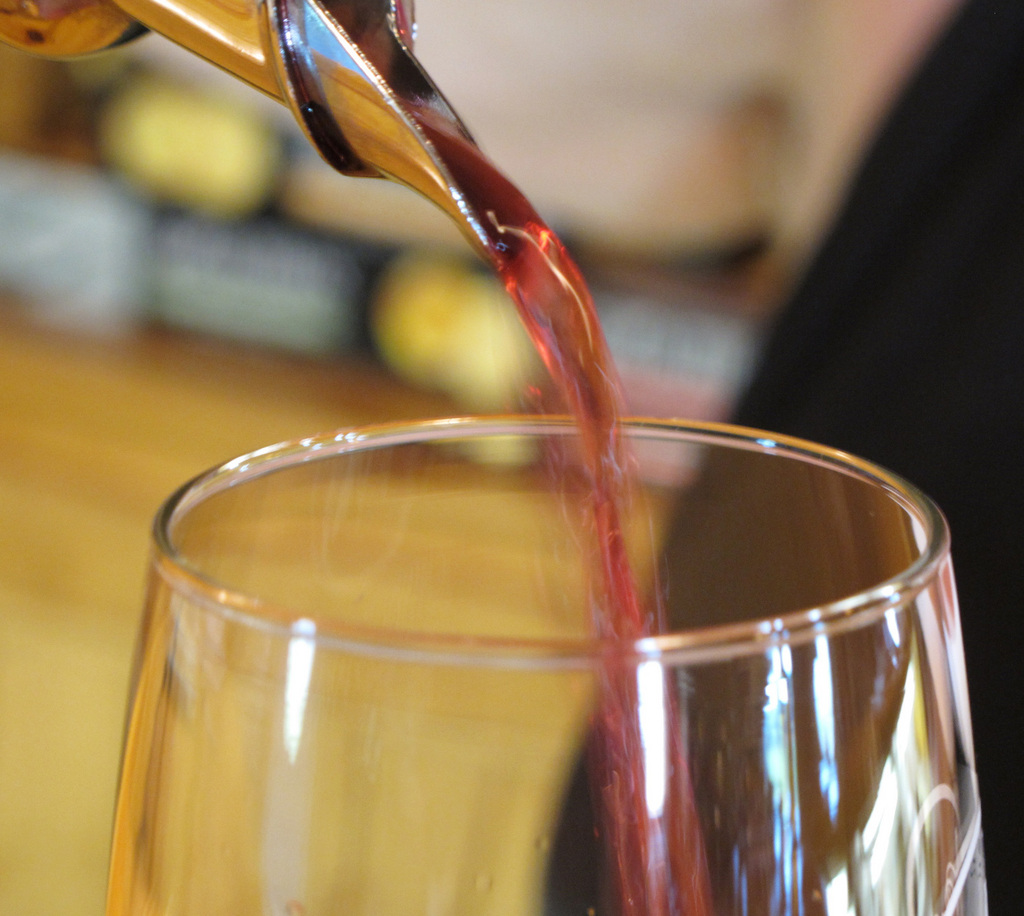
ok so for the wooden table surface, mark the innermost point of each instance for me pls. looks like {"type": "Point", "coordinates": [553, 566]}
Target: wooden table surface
{"type": "Point", "coordinates": [95, 431]}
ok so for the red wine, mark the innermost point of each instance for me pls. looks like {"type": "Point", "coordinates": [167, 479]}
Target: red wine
{"type": "Point", "coordinates": [637, 762]}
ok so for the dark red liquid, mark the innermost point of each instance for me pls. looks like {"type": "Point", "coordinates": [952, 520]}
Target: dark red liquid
{"type": "Point", "coordinates": [639, 779]}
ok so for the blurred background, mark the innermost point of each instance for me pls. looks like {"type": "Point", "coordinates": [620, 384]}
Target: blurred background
{"type": "Point", "coordinates": [182, 280]}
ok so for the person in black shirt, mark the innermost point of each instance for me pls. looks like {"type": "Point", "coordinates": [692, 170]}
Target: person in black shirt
{"type": "Point", "coordinates": [903, 343]}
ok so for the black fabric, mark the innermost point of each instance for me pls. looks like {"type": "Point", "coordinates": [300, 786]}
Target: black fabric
{"type": "Point", "coordinates": [904, 343]}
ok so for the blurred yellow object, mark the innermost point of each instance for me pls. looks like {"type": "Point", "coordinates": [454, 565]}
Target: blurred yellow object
{"type": "Point", "coordinates": [191, 147]}
{"type": "Point", "coordinates": [441, 324]}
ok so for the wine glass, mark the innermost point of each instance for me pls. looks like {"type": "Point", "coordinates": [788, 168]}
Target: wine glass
{"type": "Point", "coordinates": [366, 683]}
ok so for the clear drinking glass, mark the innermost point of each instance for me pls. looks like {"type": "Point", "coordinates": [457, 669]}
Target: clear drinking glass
{"type": "Point", "coordinates": [366, 684]}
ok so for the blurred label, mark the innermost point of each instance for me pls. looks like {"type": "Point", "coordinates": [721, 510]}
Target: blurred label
{"type": "Point", "coordinates": [72, 242]}
{"type": "Point", "coordinates": [260, 281]}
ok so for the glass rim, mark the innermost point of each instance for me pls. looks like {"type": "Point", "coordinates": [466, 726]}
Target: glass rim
{"type": "Point", "coordinates": [701, 643]}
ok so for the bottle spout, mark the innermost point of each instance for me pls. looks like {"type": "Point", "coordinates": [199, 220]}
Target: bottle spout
{"type": "Point", "coordinates": [345, 68]}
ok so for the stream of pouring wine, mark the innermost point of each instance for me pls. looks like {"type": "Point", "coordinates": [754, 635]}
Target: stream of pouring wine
{"type": "Point", "coordinates": [640, 784]}
{"type": "Point", "coordinates": [637, 767]}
